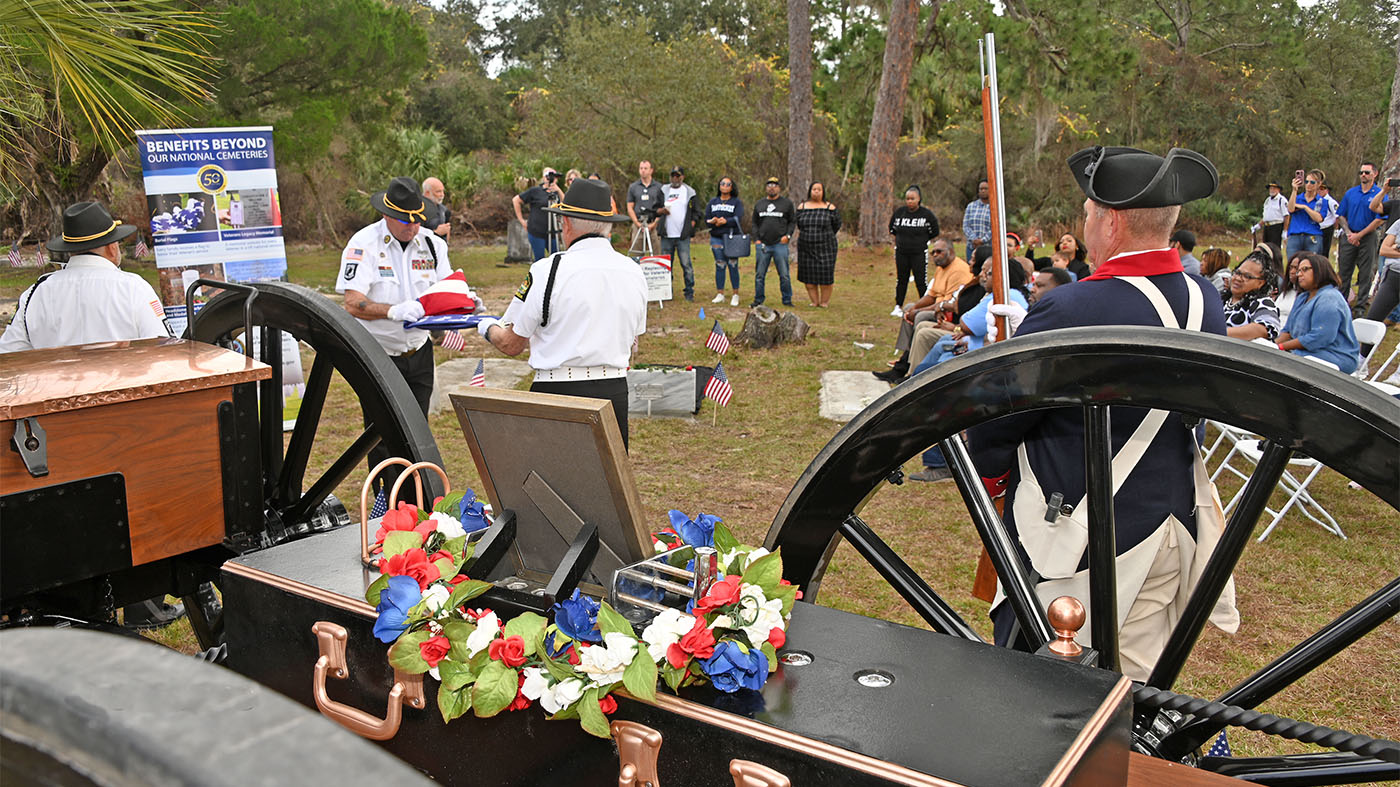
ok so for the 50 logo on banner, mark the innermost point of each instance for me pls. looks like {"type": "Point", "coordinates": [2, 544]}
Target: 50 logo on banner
{"type": "Point", "coordinates": [212, 179]}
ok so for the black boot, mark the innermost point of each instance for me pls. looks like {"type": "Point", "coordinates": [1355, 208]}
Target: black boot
{"type": "Point", "coordinates": [895, 373]}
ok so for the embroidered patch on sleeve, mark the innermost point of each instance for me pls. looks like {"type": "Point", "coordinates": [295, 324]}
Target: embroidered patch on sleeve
{"type": "Point", "coordinates": [159, 312]}
{"type": "Point", "coordinates": [524, 289]}
{"type": "Point", "coordinates": [350, 268]}
{"type": "Point", "coordinates": [354, 254]}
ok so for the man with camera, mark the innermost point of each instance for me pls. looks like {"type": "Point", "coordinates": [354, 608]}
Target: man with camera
{"type": "Point", "coordinates": [1359, 240]}
{"type": "Point", "coordinates": [540, 227]}
{"type": "Point", "coordinates": [644, 197]}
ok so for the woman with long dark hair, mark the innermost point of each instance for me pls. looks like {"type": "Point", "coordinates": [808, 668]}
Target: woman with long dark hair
{"type": "Point", "coordinates": [1320, 324]}
{"type": "Point", "coordinates": [912, 226]}
{"type": "Point", "coordinates": [1079, 256]}
{"type": "Point", "coordinates": [725, 215]}
{"type": "Point", "coordinates": [1215, 265]}
{"type": "Point", "coordinates": [817, 224]}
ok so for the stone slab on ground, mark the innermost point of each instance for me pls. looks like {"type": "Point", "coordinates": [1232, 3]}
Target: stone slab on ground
{"type": "Point", "coordinates": [844, 394]}
{"type": "Point", "coordinates": [455, 376]}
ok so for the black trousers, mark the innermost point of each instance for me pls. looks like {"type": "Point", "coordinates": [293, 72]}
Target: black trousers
{"type": "Point", "coordinates": [1327, 241]}
{"type": "Point", "coordinates": [1387, 295]}
{"type": "Point", "coordinates": [614, 389]}
{"type": "Point", "coordinates": [1273, 234]}
{"type": "Point", "coordinates": [908, 261]}
{"type": "Point", "coordinates": [417, 371]}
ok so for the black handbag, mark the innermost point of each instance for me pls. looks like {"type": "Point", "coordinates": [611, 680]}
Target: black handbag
{"type": "Point", "coordinates": [737, 245]}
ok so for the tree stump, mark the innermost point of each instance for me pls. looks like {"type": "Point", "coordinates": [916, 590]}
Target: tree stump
{"type": "Point", "coordinates": [764, 328]}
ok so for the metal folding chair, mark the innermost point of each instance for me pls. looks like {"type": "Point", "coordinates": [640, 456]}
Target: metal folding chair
{"type": "Point", "coordinates": [1247, 446]}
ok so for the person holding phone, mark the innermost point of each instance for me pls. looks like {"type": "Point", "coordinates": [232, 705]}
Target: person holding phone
{"type": "Point", "coordinates": [1307, 212]}
{"type": "Point", "coordinates": [1359, 237]}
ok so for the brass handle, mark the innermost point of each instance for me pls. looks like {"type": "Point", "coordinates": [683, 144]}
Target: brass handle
{"type": "Point", "coordinates": [751, 774]}
{"type": "Point", "coordinates": [408, 689]}
{"type": "Point", "coordinates": [637, 748]}
{"type": "Point", "coordinates": [364, 501]}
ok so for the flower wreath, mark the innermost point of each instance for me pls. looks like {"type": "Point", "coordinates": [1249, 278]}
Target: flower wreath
{"type": "Point", "coordinates": [571, 665]}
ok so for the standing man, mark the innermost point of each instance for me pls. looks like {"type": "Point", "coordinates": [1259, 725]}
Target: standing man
{"type": "Point", "coordinates": [1133, 199]}
{"type": "Point", "coordinates": [439, 219]}
{"type": "Point", "coordinates": [1275, 218]}
{"type": "Point", "coordinates": [579, 312]}
{"type": "Point", "coordinates": [538, 197]}
{"type": "Point", "coordinates": [1356, 248]}
{"type": "Point", "coordinates": [1184, 242]}
{"type": "Point", "coordinates": [977, 218]}
{"type": "Point", "coordinates": [1329, 220]}
{"type": "Point", "coordinates": [774, 219]}
{"type": "Point", "coordinates": [681, 211]}
{"type": "Point", "coordinates": [383, 270]}
{"type": "Point", "coordinates": [643, 200]}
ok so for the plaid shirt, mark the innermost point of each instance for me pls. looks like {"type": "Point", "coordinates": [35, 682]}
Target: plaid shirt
{"type": "Point", "coordinates": [977, 221]}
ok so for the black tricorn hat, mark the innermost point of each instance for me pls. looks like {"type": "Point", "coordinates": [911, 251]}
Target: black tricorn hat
{"type": "Point", "coordinates": [400, 201]}
{"type": "Point", "coordinates": [590, 200]}
{"type": "Point", "coordinates": [88, 225]}
{"type": "Point", "coordinates": [1131, 178]}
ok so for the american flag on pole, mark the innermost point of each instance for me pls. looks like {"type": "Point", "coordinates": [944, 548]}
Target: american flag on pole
{"type": "Point", "coordinates": [717, 341]}
{"type": "Point", "coordinates": [15, 259]}
{"type": "Point", "coordinates": [141, 249]}
{"type": "Point", "coordinates": [39, 256]}
{"type": "Point", "coordinates": [381, 504]}
{"type": "Point", "coordinates": [479, 376]}
{"type": "Point", "coordinates": [452, 340]}
{"type": "Point", "coordinates": [718, 387]}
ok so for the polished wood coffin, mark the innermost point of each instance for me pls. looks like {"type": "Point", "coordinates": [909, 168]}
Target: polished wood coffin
{"type": "Point", "coordinates": [953, 712]}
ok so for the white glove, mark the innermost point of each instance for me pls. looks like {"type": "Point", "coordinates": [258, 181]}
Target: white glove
{"type": "Point", "coordinates": [1013, 313]}
{"type": "Point", "coordinates": [408, 311]}
{"type": "Point", "coordinates": [485, 325]}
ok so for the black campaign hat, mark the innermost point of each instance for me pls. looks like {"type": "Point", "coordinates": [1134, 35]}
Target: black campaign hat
{"type": "Point", "coordinates": [88, 225]}
{"type": "Point", "coordinates": [590, 200]}
{"type": "Point", "coordinates": [1130, 178]}
{"type": "Point", "coordinates": [401, 201]}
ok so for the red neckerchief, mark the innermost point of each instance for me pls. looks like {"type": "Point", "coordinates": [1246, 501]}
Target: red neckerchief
{"type": "Point", "coordinates": [1140, 263]}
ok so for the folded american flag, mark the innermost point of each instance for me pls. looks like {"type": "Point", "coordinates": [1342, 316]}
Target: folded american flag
{"type": "Point", "coordinates": [717, 341]}
{"type": "Point", "coordinates": [447, 322]}
{"type": "Point", "coordinates": [718, 387]}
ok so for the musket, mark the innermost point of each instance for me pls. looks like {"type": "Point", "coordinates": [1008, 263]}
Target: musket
{"type": "Point", "coordinates": [991, 133]}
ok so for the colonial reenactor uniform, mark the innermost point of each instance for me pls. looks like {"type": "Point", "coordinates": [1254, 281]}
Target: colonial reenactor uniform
{"type": "Point", "coordinates": [1166, 513]}
{"type": "Point", "coordinates": [582, 309]}
{"type": "Point", "coordinates": [90, 299]}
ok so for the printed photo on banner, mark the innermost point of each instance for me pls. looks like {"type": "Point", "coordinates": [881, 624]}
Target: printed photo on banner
{"type": "Point", "coordinates": [179, 213]}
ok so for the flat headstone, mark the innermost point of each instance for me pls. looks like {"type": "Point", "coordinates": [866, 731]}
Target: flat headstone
{"type": "Point", "coordinates": [844, 394]}
{"type": "Point", "coordinates": [455, 376]}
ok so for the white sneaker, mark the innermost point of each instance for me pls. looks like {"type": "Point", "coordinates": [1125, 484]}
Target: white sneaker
{"type": "Point", "coordinates": [719, 298]}
{"type": "Point", "coordinates": [734, 301]}
{"type": "Point", "coordinates": [898, 312]}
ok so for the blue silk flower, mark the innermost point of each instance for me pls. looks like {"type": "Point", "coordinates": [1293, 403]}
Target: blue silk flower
{"type": "Point", "coordinates": [731, 669]}
{"type": "Point", "coordinates": [471, 513]}
{"type": "Point", "coordinates": [697, 532]}
{"type": "Point", "coordinates": [577, 617]}
{"type": "Point", "coordinates": [394, 603]}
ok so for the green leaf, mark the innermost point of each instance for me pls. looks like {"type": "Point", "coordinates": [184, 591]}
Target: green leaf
{"type": "Point", "coordinates": [455, 545]}
{"type": "Point", "coordinates": [457, 632]}
{"type": "Point", "coordinates": [400, 541]}
{"type": "Point", "coordinates": [424, 515]}
{"type": "Point", "coordinates": [466, 591]}
{"type": "Point", "coordinates": [725, 540]}
{"type": "Point", "coordinates": [673, 676]}
{"type": "Point", "coordinates": [772, 654]}
{"type": "Point", "coordinates": [591, 717]}
{"type": "Point", "coordinates": [788, 593]}
{"type": "Point", "coordinates": [526, 625]}
{"type": "Point", "coordinates": [494, 689]}
{"type": "Point", "coordinates": [611, 622]}
{"type": "Point", "coordinates": [446, 568]}
{"type": "Point", "coordinates": [640, 675]}
{"type": "Point", "coordinates": [559, 668]}
{"type": "Point", "coordinates": [570, 712]}
{"type": "Point", "coordinates": [764, 572]}
{"type": "Point", "coordinates": [404, 655]}
{"type": "Point", "coordinates": [455, 675]}
{"type": "Point", "coordinates": [453, 703]}
{"type": "Point", "coordinates": [375, 589]}
{"type": "Point", "coordinates": [450, 504]}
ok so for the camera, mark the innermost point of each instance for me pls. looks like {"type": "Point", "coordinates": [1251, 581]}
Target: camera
{"type": "Point", "coordinates": [552, 177]}
{"type": "Point", "coordinates": [1393, 183]}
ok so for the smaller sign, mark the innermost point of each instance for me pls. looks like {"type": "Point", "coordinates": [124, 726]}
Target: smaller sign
{"type": "Point", "coordinates": [657, 271]}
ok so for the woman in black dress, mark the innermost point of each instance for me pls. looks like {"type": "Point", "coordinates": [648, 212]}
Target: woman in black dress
{"type": "Point", "coordinates": [817, 223]}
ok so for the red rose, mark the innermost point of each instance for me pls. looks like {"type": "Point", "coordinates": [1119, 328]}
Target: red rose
{"type": "Point", "coordinates": [785, 582]}
{"type": "Point", "coordinates": [405, 517]}
{"type": "Point", "coordinates": [574, 658]}
{"type": "Point", "coordinates": [434, 650]}
{"type": "Point", "coordinates": [509, 651]}
{"type": "Point", "coordinates": [698, 642]}
{"type": "Point", "coordinates": [722, 594]}
{"type": "Point", "coordinates": [441, 554]}
{"type": "Point", "coordinates": [777, 637]}
{"type": "Point", "coordinates": [608, 705]}
{"type": "Point", "coordinates": [413, 563]}
{"type": "Point", "coordinates": [521, 701]}
{"type": "Point", "coordinates": [457, 580]}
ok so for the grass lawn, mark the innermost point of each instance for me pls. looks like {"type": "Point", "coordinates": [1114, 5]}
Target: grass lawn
{"type": "Point", "coordinates": [742, 469]}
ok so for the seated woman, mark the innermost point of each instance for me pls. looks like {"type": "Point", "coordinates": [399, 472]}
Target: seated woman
{"type": "Point", "coordinates": [1320, 324]}
{"type": "Point", "coordinates": [971, 331]}
{"type": "Point", "coordinates": [1250, 312]}
{"type": "Point", "coordinates": [1287, 290]}
{"type": "Point", "coordinates": [1215, 265]}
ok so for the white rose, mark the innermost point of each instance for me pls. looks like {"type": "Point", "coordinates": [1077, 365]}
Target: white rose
{"type": "Point", "coordinates": [447, 525]}
{"type": "Point", "coordinates": [666, 630]}
{"type": "Point", "coordinates": [605, 663]}
{"type": "Point", "coordinates": [536, 683]}
{"type": "Point", "coordinates": [727, 559]}
{"type": "Point", "coordinates": [767, 613]}
{"type": "Point", "coordinates": [562, 695]}
{"type": "Point", "coordinates": [487, 627]}
{"type": "Point", "coordinates": [722, 622]}
{"type": "Point", "coordinates": [436, 598]}
{"type": "Point", "coordinates": [754, 555]}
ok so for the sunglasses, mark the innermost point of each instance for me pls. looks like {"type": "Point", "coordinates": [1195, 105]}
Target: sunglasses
{"type": "Point", "coordinates": [401, 221]}
{"type": "Point", "coordinates": [1363, 172]}
{"type": "Point", "coordinates": [1301, 269]}
{"type": "Point", "coordinates": [1311, 182]}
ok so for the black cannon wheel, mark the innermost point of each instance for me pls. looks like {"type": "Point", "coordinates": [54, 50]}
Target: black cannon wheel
{"type": "Point", "coordinates": [1295, 405]}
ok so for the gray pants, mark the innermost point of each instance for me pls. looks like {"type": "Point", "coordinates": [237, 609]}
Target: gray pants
{"type": "Point", "coordinates": [1360, 259]}
{"type": "Point", "coordinates": [906, 332]}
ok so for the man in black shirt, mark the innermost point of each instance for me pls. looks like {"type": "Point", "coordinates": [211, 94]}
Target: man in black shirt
{"type": "Point", "coordinates": [439, 218]}
{"type": "Point", "coordinates": [543, 242]}
{"type": "Point", "coordinates": [644, 197]}
{"type": "Point", "coordinates": [774, 219]}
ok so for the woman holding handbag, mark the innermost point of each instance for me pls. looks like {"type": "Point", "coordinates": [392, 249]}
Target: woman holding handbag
{"type": "Point", "coordinates": [724, 215]}
{"type": "Point", "coordinates": [817, 223]}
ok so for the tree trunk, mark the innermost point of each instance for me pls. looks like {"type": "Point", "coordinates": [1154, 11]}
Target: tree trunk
{"type": "Point", "coordinates": [764, 328]}
{"type": "Point", "coordinates": [1390, 165]}
{"type": "Point", "coordinates": [799, 172]}
{"type": "Point", "coordinates": [877, 191]}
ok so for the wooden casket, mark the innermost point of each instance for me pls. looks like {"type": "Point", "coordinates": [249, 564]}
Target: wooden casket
{"type": "Point", "coordinates": [944, 712]}
{"type": "Point", "coordinates": [127, 448]}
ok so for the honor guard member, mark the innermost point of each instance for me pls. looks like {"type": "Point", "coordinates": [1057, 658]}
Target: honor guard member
{"type": "Point", "coordinates": [383, 270]}
{"type": "Point", "coordinates": [1166, 515]}
{"type": "Point", "coordinates": [579, 311]}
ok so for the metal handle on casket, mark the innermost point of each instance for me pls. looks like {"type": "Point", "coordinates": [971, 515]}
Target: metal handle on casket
{"type": "Point", "coordinates": [369, 484]}
{"type": "Point", "coordinates": [408, 689]}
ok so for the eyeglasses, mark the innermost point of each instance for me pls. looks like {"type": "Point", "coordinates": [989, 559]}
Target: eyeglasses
{"type": "Point", "coordinates": [1238, 274]}
{"type": "Point", "coordinates": [1301, 269]}
{"type": "Point", "coordinates": [1311, 182]}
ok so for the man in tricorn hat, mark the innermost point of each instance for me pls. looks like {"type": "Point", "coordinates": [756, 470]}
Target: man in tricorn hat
{"type": "Point", "coordinates": [383, 270]}
{"type": "Point", "coordinates": [91, 299]}
{"type": "Point", "coordinates": [579, 311]}
{"type": "Point", "coordinates": [1167, 519]}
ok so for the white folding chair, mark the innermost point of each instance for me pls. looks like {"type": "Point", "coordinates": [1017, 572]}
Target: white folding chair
{"type": "Point", "coordinates": [1227, 434]}
{"type": "Point", "coordinates": [1250, 447]}
{"type": "Point", "coordinates": [1369, 334]}
{"type": "Point", "coordinates": [1380, 370]}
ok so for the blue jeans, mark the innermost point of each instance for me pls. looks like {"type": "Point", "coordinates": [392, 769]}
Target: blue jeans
{"type": "Point", "coordinates": [722, 262]}
{"type": "Point", "coordinates": [1300, 242]}
{"type": "Point", "coordinates": [679, 251]}
{"type": "Point", "coordinates": [942, 351]}
{"type": "Point", "coordinates": [778, 254]}
{"type": "Point", "coordinates": [933, 457]}
{"type": "Point", "coordinates": [542, 247]}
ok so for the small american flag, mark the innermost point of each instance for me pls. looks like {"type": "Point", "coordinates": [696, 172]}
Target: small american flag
{"type": "Point", "coordinates": [39, 256]}
{"type": "Point", "coordinates": [141, 249]}
{"type": "Point", "coordinates": [15, 259]}
{"type": "Point", "coordinates": [717, 341]}
{"type": "Point", "coordinates": [381, 505]}
{"type": "Point", "coordinates": [479, 376]}
{"type": "Point", "coordinates": [1221, 747]}
{"type": "Point", "coordinates": [452, 340]}
{"type": "Point", "coordinates": [718, 387]}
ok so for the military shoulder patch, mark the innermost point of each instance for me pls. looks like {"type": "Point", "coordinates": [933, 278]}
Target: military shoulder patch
{"type": "Point", "coordinates": [524, 289]}
{"type": "Point", "coordinates": [350, 269]}
{"type": "Point", "coordinates": [354, 254]}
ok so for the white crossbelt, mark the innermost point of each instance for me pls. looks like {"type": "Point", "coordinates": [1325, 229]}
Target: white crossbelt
{"type": "Point", "coordinates": [565, 374]}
